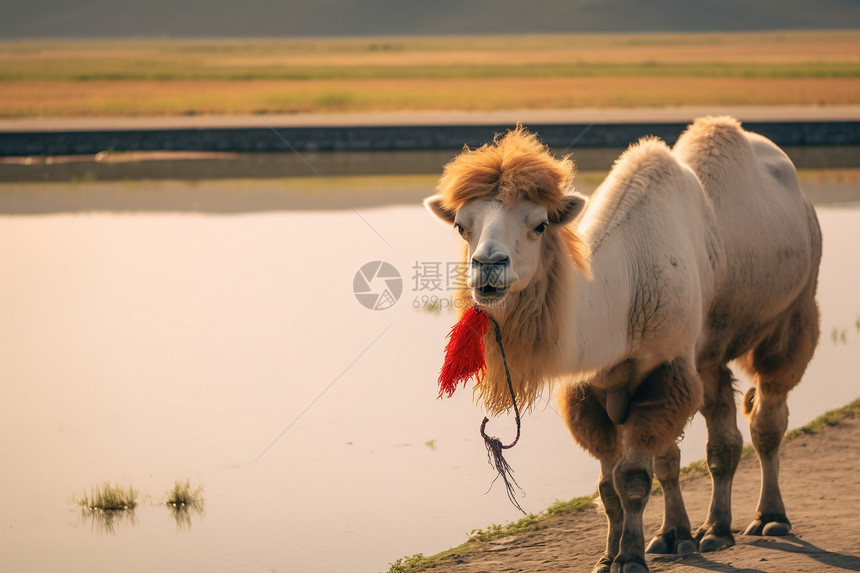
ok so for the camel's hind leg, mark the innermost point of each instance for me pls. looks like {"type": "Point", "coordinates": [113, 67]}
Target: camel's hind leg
{"type": "Point", "coordinates": [776, 364]}
{"type": "Point", "coordinates": [723, 453]}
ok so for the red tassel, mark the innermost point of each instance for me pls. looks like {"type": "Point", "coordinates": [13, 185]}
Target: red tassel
{"type": "Point", "coordinates": [464, 353]}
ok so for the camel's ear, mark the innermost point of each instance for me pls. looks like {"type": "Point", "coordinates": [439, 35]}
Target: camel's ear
{"type": "Point", "coordinates": [434, 204]}
{"type": "Point", "coordinates": [572, 206]}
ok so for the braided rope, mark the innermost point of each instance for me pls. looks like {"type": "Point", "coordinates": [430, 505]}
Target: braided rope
{"type": "Point", "coordinates": [494, 445]}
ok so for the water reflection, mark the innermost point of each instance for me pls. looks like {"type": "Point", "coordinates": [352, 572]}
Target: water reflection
{"type": "Point", "coordinates": [185, 503]}
{"type": "Point", "coordinates": [106, 521]}
{"type": "Point", "coordinates": [842, 335]}
{"type": "Point", "coordinates": [108, 507]}
{"type": "Point", "coordinates": [182, 514]}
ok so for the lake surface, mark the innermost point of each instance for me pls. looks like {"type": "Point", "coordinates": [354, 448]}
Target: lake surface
{"type": "Point", "coordinates": [142, 343]}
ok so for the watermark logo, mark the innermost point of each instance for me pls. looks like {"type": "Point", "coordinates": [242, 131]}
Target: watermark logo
{"type": "Point", "coordinates": [377, 285]}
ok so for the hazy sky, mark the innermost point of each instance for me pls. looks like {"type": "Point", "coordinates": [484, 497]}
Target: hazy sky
{"type": "Point", "coordinates": [279, 18]}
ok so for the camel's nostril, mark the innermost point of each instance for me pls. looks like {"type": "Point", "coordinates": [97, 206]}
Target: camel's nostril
{"type": "Point", "coordinates": [499, 259]}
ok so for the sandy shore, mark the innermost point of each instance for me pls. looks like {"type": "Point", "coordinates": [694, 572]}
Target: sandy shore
{"type": "Point", "coordinates": [821, 488]}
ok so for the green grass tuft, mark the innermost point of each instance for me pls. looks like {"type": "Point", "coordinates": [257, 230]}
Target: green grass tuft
{"type": "Point", "coordinates": [748, 452]}
{"type": "Point", "coordinates": [108, 498]}
{"type": "Point", "coordinates": [108, 507]}
{"type": "Point", "coordinates": [183, 502]}
{"type": "Point", "coordinates": [699, 467]}
{"type": "Point", "coordinates": [182, 496]}
{"type": "Point", "coordinates": [575, 504]}
{"type": "Point", "coordinates": [405, 564]}
{"type": "Point", "coordinates": [533, 521]}
{"type": "Point", "coordinates": [828, 419]}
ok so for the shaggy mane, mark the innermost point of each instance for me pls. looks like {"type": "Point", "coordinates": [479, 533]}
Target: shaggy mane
{"type": "Point", "coordinates": [518, 167]}
{"type": "Point", "coordinates": [530, 325]}
{"type": "Point", "coordinates": [515, 167]}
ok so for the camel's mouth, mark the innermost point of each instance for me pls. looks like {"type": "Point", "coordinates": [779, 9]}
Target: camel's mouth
{"type": "Point", "coordinates": [490, 293]}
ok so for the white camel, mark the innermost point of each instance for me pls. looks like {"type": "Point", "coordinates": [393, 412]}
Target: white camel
{"type": "Point", "coordinates": [683, 260]}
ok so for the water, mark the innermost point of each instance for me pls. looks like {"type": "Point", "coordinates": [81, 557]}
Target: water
{"type": "Point", "coordinates": [141, 344]}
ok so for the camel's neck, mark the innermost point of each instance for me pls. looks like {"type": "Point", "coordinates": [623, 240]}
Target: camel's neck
{"type": "Point", "coordinates": [563, 324]}
{"type": "Point", "coordinates": [594, 324]}
{"type": "Point", "coordinates": [582, 322]}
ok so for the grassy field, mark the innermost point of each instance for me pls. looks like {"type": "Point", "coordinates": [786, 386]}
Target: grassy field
{"type": "Point", "coordinates": [135, 77]}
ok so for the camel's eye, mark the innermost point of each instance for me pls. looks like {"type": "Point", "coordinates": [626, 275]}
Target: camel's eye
{"type": "Point", "coordinates": [459, 228]}
{"type": "Point", "coordinates": [541, 228]}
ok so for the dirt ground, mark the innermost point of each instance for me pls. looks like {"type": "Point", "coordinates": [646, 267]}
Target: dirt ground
{"type": "Point", "coordinates": [821, 487]}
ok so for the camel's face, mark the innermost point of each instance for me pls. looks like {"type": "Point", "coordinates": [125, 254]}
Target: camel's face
{"type": "Point", "coordinates": [504, 246]}
{"type": "Point", "coordinates": [504, 242]}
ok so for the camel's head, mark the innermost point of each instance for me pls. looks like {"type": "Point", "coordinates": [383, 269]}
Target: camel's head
{"type": "Point", "coordinates": [508, 202]}
{"type": "Point", "coordinates": [504, 242]}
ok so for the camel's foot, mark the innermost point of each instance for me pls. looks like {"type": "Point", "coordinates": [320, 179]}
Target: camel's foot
{"type": "Point", "coordinates": [714, 538]}
{"type": "Point", "coordinates": [670, 543]}
{"type": "Point", "coordinates": [775, 524]}
{"type": "Point", "coordinates": [603, 566]}
{"type": "Point", "coordinates": [632, 564]}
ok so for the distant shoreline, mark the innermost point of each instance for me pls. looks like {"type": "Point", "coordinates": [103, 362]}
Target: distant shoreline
{"type": "Point", "coordinates": [587, 116]}
{"type": "Point", "coordinates": [424, 131]}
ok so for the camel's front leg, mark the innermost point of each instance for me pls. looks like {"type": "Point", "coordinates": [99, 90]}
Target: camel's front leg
{"type": "Point", "coordinates": [632, 479]}
{"type": "Point", "coordinates": [674, 536]}
{"type": "Point", "coordinates": [593, 430]}
{"type": "Point", "coordinates": [660, 409]}
{"type": "Point", "coordinates": [614, 514]}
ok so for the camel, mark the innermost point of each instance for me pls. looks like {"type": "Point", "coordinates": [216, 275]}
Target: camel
{"type": "Point", "coordinates": [634, 302]}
